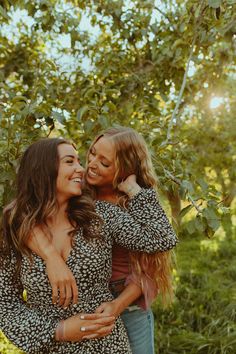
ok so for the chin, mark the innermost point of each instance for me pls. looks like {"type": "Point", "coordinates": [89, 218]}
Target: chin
{"type": "Point", "coordinates": [91, 181]}
{"type": "Point", "coordinates": [77, 194]}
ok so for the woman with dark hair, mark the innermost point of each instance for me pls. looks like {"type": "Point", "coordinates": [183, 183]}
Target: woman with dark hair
{"type": "Point", "coordinates": [49, 205]}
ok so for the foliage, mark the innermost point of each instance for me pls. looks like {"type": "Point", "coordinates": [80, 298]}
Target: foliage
{"type": "Point", "coordinates": [151, 65]}
{"type": "Point", "coordinates": [202, 319]}
{"type": "Point", "coordinates": [137, 59]}
{"type": "Point", "coordinates": [6, 347]}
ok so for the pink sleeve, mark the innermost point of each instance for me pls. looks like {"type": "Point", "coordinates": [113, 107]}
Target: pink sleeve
{"type": "Point", "coordinates": [149, 290]}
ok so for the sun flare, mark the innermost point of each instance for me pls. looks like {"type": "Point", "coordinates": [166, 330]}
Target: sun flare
{"type": "Point", "coordinates": [215, 102]}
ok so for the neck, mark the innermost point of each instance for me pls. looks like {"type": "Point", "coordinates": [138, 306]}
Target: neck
{"type": "Point", "coordinates": [107, 193]}
{"type": "Point", "coordinates": [60, 214]}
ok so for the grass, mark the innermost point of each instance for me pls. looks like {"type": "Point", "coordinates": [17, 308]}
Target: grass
{"type": "Point", "coordinates": [203, 316]}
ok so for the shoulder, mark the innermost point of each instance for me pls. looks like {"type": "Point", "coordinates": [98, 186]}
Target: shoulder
{"type": "Point", "coordinates": [106, 209]}
{"type": "Point", "coordinates": [145, 195]}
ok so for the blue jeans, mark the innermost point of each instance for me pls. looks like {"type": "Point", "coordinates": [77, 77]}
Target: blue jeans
{"type": "Point", "coordinates": [140, 328]}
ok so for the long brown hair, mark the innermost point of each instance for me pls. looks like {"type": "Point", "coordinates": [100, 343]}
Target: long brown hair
{"type": "Point", "coordinates": [36, 200]}
{"type": "Point", "coordinates": [133, 157]}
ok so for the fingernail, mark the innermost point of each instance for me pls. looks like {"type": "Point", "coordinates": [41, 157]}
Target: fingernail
{"type": "Point", "coordinates": [82, 317]}
{"type": "Point", "coordinates": [82, 329]}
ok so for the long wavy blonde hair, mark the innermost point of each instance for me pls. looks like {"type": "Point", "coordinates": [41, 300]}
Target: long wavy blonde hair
{"type": "Point", "coordinates": [133, 157]}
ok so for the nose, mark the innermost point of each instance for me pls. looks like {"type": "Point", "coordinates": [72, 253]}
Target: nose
{"type": "Point", "coordinates": [79, 168]}
{"type": "Point", "coordinates": [92, 161]}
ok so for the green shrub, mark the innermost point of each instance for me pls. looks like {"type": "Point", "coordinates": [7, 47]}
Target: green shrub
{"type": "Point", "coordinates": [6, 347]}
{"type": "Point", "coordinates": [202, 318]}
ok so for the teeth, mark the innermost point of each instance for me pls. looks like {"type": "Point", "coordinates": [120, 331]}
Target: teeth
{"type": "Point", "coordinates": [77, 180]}
{"type": "Point", "coordinates": [92, 173]}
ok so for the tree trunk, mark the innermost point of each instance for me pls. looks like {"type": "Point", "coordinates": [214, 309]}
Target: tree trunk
{"type": "Point", "coordinates": [175, 204]}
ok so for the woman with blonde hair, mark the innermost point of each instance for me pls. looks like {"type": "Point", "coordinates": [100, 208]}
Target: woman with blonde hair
{"type": "Point", "coordinates": [150, 272]}
{"type": "Point", "coordinates": [119, 167]}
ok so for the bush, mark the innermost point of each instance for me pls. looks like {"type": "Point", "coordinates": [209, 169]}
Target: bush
{"type": "Point", "coordinates": [202, 318]}
{"type": "Point", "coordinates": [6, 347]}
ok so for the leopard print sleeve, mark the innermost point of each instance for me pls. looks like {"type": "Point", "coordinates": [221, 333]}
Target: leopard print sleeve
{"type": "Point", "coordinates": [144, 227]}
{"type": "Point", "coordinates": [29, 329]}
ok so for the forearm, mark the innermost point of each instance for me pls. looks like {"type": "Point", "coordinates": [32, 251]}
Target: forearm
{"type": "Point", "coordinates": [42, 246]}
{"type": "Point", "coordinates": [61, 278]}
{"type": "Point", "coordinates": [131, 293]}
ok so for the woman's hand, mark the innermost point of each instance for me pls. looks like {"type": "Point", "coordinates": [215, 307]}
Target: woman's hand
{"type": "Point", "coordinates": [62, 280]}
{"type": "Point", "coordinates": [130, 293]}
{"type": "Point", "coordinates": [129, 186]}
{"type": "Point", "coordinates": [84, 326]}
{"type": "Point", "coordinates": [64, 287]}
{"type": "Point", "coordinates": [109, 308]}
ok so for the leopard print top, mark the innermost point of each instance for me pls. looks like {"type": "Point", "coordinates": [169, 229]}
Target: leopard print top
{"type": "Point", "coordinates": [31, 324]}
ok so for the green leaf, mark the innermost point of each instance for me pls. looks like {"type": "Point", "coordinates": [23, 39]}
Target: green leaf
{"type": "Point", "coordinates": [209, 213]}
{"type": "Point", "coordinates": [190, 226]}
{"type": "Point", "coordinates": [199, 224]}
{"type": "Point", "coordinates": [188, 185]}
{"type": "Point", "coordinates": [81, 112]}
{"type": "Point", "coordinates": [18, 98]}
{"type": "Point", "coordinates": [214, 223]}
{"type": "Point", "coordinates": [202, 183]}
{"type": "Point", "coordinates": [209, 232]}
{"type": "Point", "coordinates": [58, 116]}
{"type": "Point", "coordinates": [4, 14]}
{"type": "Point", "coordinates": [103, 121]}
{"type": "Point", "coordinates": [185, 210]}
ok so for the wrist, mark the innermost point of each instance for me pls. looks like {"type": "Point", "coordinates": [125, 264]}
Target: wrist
{"type": "Point", "coordinates": [60, 331]}
{"type": "Point", "coordinates": [119, 306]}
{"type": "Point", "coordinates": [50, 252]}
{"type": "Point", "coordinates": [133, 190]}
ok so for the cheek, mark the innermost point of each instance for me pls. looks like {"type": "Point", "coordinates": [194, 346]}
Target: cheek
{"type": "Point", "coordinates": [90, 158]}
{"type": "Point", "coordinates": [111, 174]}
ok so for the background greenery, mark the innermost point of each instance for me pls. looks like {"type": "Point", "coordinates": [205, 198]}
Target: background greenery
{"type": "Point", "coordinates": [73, 68]}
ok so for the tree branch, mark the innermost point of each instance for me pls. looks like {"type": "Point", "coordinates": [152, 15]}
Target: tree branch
{"type": "Point", "coordinates": [181, 90]}
{"type": "Point", "coordinates": [163, 14]}
{"type": "Point", "coordinates": [177, 181]}
{"type": "Point", "coordinates": [194, 204]}
{"type": "Point", "coordinates": [173, 117]}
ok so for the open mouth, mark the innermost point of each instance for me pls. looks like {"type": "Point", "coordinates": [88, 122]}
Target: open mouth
{"type": "Point", "coordinates": [92, 173]}
{"type": "Point", "coordinates": [76, 180]}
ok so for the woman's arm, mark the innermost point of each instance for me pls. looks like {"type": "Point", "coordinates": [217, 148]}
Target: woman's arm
{"type": "Point", "coordinates": [144, 227]}
{"type": "Point", "coordinates": [34, 330]}
{"type": "Point", "coordinates": [60, 276]}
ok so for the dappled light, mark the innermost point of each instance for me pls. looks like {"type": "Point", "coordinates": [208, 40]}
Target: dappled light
{"type": "Point", "coordinates": [216, 102]}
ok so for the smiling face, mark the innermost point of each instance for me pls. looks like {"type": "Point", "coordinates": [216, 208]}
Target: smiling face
{"type": "Point", "coordinates": [70, 173]}
{"type": "Point", "coordinates": [101, 163]}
